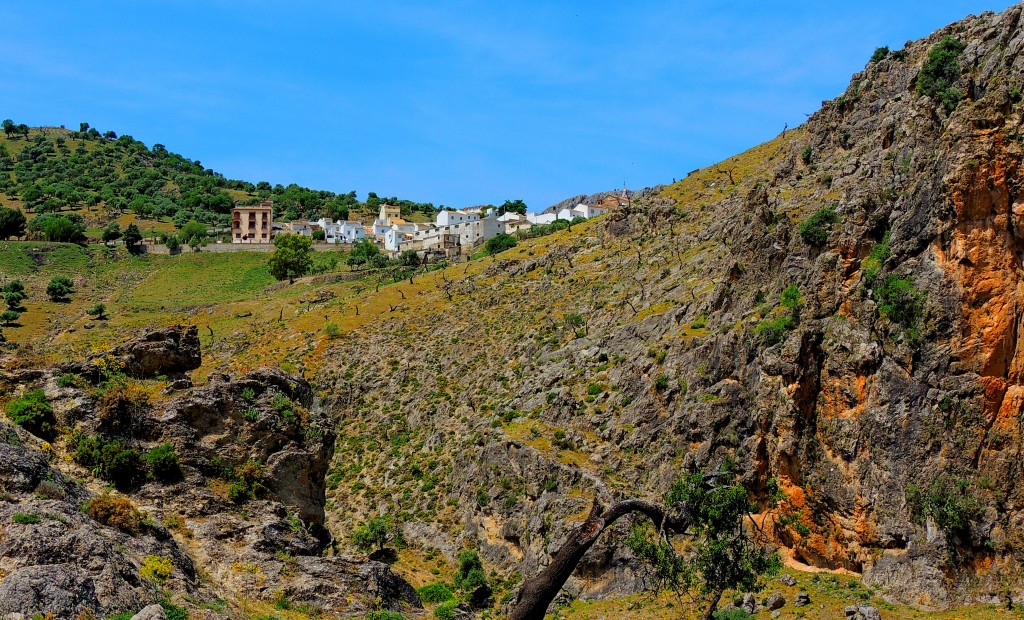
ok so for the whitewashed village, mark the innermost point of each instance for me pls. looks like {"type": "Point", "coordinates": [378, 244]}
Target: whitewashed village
{"type": "Point", "coordinates": [454, 232]}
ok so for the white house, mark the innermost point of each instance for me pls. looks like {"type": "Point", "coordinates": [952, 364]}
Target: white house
{"type": "Point", "coordinates": [342, 231]}
{"type": "Point", "coordinates": [538, 219]}
{"type": "Point", "coordinates": [509, 216]}
{"type": "Point", "coordinates": [450, 218]}
{"type": "Point", "coordinates": [393, 240]}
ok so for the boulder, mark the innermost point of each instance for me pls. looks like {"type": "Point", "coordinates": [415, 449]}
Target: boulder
{"type": "Point", "coordinates": [153, 612]}
{"type": "Point", "coordinates": [165, 351]}
{"type": "Point", "coordinates": [802, 599]}
{"type": "Point", "coordinates": [787, 580]}
{"type": "Point", "coordinates": [774, 601]}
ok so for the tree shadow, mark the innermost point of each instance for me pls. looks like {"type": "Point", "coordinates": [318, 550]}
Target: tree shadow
{"type": "Point", "coordinates": [387, 555]}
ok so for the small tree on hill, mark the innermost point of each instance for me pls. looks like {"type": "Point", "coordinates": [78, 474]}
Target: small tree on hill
{"type": "Point", "coordinates": [59, 288]}
{"type": "Point", "coordinates": [9, 127]}
{"type": "Point", "coordinates": [292, 257]}
{"type": "Point", "coordinates": [193, 234]}
{"type": "Point", "coordinates": [377, 534]}
{"type": "Point", "coordinates": [12, 223]}
{"type": "Point", "coordinates": [362, 252]}
{"type": "Point", "coordinates": [98, 312]}
{"type": "Point", "coordinates": [500, 243]}
{"type": "Point", "coordinates": [132, 236]}
{"type": "Point", "coordinates": [722, 554]}
{"type": "Point", "coordinates": [111, 233]}
{"type": "Point", "coordinates": [9, 316]}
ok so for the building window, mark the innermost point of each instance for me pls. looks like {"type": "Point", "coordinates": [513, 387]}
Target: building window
{"type": "Point", "coordinates": [264, 235]}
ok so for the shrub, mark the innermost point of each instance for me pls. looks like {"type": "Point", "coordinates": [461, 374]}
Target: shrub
{"type": "Point", "coordinates": [109, 459]}
{"type": "Point", "coordinates": [805, 155]}
{"type": "Point", "coordinates": [59, 288]}
{"type": "Point", "coordinates": [435, 593]}
{"type": "Point", "coordinates": [700, 322]}
{"type": "Point", "coordinates": [773, 331]}
{"type": "Point", "coordinates": [121, 405]}
{"type": "Point", "coordinates": [174, 612]}
{"type": "Point", "coordinates": [248, 478]}
{"type": "Point", "coordinates": [873, 264]}
{"type": "Point", "coordinates": [69, 380]}
{"type": "Point", "coordinates": [115, 511]}
{"type": "Point", "coordinates": [790, 298]}
{"type": "Point", "coordinates": [948, 501]}
{"type": "Point", "coordinates": [939, 72]}
{"type": "Point", "coordinates": [500, 243]}
{"type": "Point", "coordinates": [815, 230]}
{"type": "Point", "coordinates": [898, 300]}
{"type": "Point", "coordinates": [163, 462]}
{"type": "Point", "coordinates": [661, 383]}
{"type": "Point", "coordinates": [9, 317]}
{"type": "Point", "coordinates": [33, 413]}
{"type": "Point", "coordinates": [446, 611]}
{"type": "Point", "coordinates": [332, 330]}
{"type": "Point", "coordinates": [880, 54]}
{"type": "Point", "coordinates": [156, 568]}
{"type": "Point", "coordinates": [734, 613]}
{"type": "Point", "coordinates": [377, 533]}
{"type": "Point", "coordinates": [25, 518]}
{"type": "Point", "coordinates": [99, 311]}
{"type": "Point", "coordinates": [470, 576]}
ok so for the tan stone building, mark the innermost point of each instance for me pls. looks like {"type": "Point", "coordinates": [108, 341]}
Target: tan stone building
{"type": "Point", "coordinates": [253, 223]}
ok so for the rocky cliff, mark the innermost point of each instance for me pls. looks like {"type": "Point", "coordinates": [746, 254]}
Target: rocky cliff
{"type": "Point", "coordinates": [838, 310]}
{"type": "Point", "coordinates": [217, 503]}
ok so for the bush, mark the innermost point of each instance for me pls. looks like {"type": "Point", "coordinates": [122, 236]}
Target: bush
{"type": "Point", "coordinates": [115, 511]}
{"type": "Point", "coordinates": [732, 614]}
{"type": "Point", "coordinates": [156, 568]}
{"type": "Point", "coordinates": [248, 478]}
{"type": "Point", "coordinates": [815, 230]}
{"type": "Point", "coordinates": [898, 300]}
{"type": "Point", "coordinates": [791, 299]}
{"type": "Point", "coordinates": [174, 612]}
{"type": "Point", "coordinates": [163, 463]}
{"type": "Point", "coordinates": [471, 579]}
{"type": "Point", "coordinates": [873, 264]}
{"type": "Point", "coordinates": [446, 611]}
{"type": "Point", "coordinates": [99, 311]}
{"type": "Point", "coordinates": [332, 330]}
{"type": "Point", "coordinates": [9, 317]}
{"type": "Point", "coordinates": [500, 243]}
{"type": "Point", "coordinates": [773, 331]}
{"type": "Point", "coordinates": [880, 54]}
{"type": "Point", "coordinates": [33, 413]}
{"type": "Point", "coordinates": [435, 593]}
{"type": "Point", "coordinates": [948, 501]}
{"type": "Point", "coordinates": [939, 72]}
{"type": "Point", "coordinates": [120, 406]}
{"type": "Point", "coordinates": [25, 518]}
{"type": "Point", "coordinates": [805, 155]}
{"type": "Point", "coordinates": [661, 383]}
{"type": "Point", "coordinates": [69, 380]}
{"type": "Point", "coordinates": [109, 459]}
{"type": "Point", "coordinates": [59, 288]}
{"type": "Point", "coordinates": [377, 533]}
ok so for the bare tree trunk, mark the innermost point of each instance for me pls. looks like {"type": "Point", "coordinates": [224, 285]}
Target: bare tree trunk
{"type": "Point", "coordinates": [715, 597]}
{"type": "Point", "coordinates": [538, 591]}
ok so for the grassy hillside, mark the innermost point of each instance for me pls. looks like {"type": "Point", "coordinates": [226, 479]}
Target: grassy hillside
{"type": "Point", "coordinates": [105, 177]}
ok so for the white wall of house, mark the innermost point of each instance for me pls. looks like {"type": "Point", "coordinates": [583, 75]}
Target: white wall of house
{"type": "Point", "coordinates": [450, 218]}
{"type": "Point", "coordinates": [541, 218]}
{"type": "Point", "coordinates": [393, 240]}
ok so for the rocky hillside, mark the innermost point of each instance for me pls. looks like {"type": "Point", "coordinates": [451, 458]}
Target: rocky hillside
{"type": "Point", "coordinates": [207, 500]}
{"type": "Point", "coordinates": [837, 310]}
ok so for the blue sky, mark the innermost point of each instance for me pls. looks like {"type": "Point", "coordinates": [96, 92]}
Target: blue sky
{"type": "Point", "coordinates": [455, 103]}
